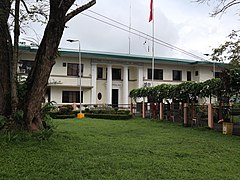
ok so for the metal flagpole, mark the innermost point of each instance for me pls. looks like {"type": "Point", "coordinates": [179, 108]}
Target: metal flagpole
{"type": "Point", "coordinates": [153, 49]}
{"type": "Point", "coordinates": [130, 24]}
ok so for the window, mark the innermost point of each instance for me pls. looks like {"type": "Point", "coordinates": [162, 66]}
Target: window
{"type": "Point", "coordinates": [72, 69]}
{"type": "Point", "coordinates": [71, 96]}
{"type": "Point", "coordinates": [116, 74]}
{"type": "Point", "coordinates": [217, 74]}
{"type": "Point", "coordinates": [189, 76]}
{"type": "Point", "coordinates": [99, 72]}
{"type": "Point", "coordinates": [99, 96]}
{"type": "Point", "coordinates": [196, 73]}
{"type": "Point", "coordinates": [158, 74]}
{"type": "Point", "coordinates": [177, 75]}
{"type": "Point", "coordinates": [106, 72]}
{"type": "Point", "coordinates": [25, 66]}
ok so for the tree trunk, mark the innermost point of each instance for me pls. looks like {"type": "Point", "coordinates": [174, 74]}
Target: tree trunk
{"type": "Point", "coordinates": [45, 59]}
{"type": "Point", "coordinates": [13, 69]}
{"type": "Point", "coordinates": [5, 58]}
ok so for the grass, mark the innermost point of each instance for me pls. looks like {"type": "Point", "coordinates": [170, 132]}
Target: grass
{"type": "Point", "coordinates": [135, 149]}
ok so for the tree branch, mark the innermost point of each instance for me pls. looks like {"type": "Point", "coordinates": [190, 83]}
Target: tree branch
{"type": "Point", "coordinates": [25, 5]}
{"type": "Point", "coordinates": [224, 7]}
{"type": "Point", "coordinates": [221, 6]}
{"type": "Point", "coordinates": [79, 10]}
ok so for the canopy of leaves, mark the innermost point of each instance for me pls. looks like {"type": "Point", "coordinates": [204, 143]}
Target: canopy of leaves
{"type": "Point", "coordinates": [228, 85]}
{"type": "Point", "coordinates": [229, 51]}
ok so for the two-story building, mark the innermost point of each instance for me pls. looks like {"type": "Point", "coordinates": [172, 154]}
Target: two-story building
{"type": "Point", "coordinates": [107, 78]}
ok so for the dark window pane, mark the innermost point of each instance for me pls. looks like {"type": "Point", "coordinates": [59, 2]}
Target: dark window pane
{"type": "Point", "coordinates": [177, 75]}
{"type": "Point", "coordinates": [149, 73]}
{"type": "Point", "coordinates": [99, 96]}
{"type": "Point", "coordinates": [71, 97]}
{"type": "Point", "coordinates": [158, 74]}
{"type": "Point", "coordinates": [217, 74]}
{"type": "Point", "coordinates": [189, 76]}
{"type": "Point", "coordinates": [196, 73]}
{"type": "Point", "coordinates": [73, 69]}
{"type": "Point", "coordinates": [116, 74]}
{"type": "Point", "coordinates": [99, 72]}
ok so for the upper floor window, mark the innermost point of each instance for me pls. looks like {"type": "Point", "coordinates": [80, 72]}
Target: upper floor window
{"type": "Point", "coordinates": [189, 75]}
{"type": "Point", "coordinates": [116, 74]}
{"type": "Point", "coordinates": [99, 72]}
{"type": "Point", "coordinates": [177, 75]}
{"type": "Point", "coordinates": [25, 66]}
{"type": "Point", "coordinates": [158, 74]}
{"type": "Point", "coordinates": [73, 69]}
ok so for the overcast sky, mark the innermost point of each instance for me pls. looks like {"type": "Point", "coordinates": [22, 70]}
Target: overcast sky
{"type": "Point", "coordinates": [184, 24]}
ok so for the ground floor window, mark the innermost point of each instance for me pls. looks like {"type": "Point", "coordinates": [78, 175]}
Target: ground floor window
{"type": "Point", "coordinates": [71, 97]}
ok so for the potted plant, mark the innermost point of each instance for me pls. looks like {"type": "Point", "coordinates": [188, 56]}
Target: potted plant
{"type": "Point", "coordinates": [227, 121]}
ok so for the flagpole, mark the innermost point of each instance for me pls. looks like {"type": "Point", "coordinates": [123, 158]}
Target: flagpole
{"type": "Point", "coordinates": [153, 49]}
{"type": "Point", "coordinates": [130, 26]}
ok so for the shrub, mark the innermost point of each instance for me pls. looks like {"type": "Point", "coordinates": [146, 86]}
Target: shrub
{"type": "Point", "coordinates": [110, 116]}
{"type": "Point", "coordinates": [2, 121]}
{"type": "Point", "coordinates": [66, 116]}
{"type": "Point", "coordinates": [53, 114]}
{"type": "Point", "coordinates": [123, 112]}
{"type": "Point", "coordinates": [65, 109]}
{"type": "Point", "coordinates": [75, 112]}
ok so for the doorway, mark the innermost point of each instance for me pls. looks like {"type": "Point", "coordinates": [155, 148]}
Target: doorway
{"type": "Point", "coordinates": [115, 98]}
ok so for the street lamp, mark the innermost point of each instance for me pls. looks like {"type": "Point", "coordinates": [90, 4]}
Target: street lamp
{"type": "Point", "coordinates": [80, 114]}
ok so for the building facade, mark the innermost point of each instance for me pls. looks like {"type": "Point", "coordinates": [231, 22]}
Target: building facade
{"type": "Point", "coordinates": [107, 78]}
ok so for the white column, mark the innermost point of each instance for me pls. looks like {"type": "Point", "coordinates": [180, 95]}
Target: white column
{"type": "Point", "coordinates": [109, 84]}
{"type": "Point", "coordinates": [125, 85]}
{"type": "Point", "coordinates": [94, 84]}
{"type": "Point", "coordinates": [140, 77]}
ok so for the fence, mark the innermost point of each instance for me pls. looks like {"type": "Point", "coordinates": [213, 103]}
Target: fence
{"type": "Point", "coordinates": [193, 115]}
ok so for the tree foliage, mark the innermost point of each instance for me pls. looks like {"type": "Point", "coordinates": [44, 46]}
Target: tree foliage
{"type": "Point", "coordinates": [229, 51]}
{"type": "Point", "coordinates": [227, 86]}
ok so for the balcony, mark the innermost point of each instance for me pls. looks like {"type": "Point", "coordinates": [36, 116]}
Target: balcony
{"type": "Point", "coordinates": [69, 81]}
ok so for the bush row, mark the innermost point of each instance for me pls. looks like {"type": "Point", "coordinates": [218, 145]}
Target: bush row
{"type": "Point", "coordinates": [60, 115]}
{"type": "Point", "coordinates": [106, 111]}
{"type": "Point", "coordinates": [110, 116]}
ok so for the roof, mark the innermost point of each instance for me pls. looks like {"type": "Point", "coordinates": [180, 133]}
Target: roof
{"type": "Point", "coordinates": [119, 56]}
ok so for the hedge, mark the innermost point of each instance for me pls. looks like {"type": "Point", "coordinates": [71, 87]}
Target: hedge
{"type": "Point", "coordinates": [110, 116]}
{"type": "Point", "coordinates": [59, 115]}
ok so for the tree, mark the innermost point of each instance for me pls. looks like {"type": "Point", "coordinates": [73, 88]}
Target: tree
{"type": "Point", "coordinates": [45, 59]}
{"type": "Point", "coordinates": [229, 51]}
{"type": "Point", "coordinates": [37, 80]}
{"type": "Point", "coordinates": [5, 58]}
{"type": "Point", "coordinates": [221, 6]}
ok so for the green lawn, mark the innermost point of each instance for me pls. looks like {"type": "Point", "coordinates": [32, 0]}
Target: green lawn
{"type": "Point", "coordinates": [134, 149]}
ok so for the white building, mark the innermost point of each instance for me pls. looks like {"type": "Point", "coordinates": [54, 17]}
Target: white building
{"type": "Point", "coordinates": [107, 78]}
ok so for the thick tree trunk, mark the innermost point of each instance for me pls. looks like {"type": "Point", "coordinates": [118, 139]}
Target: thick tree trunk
{"type": "Point", "coordinates": [5, 58]}
{"type": "Point", "coordinates": [45, 59]}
